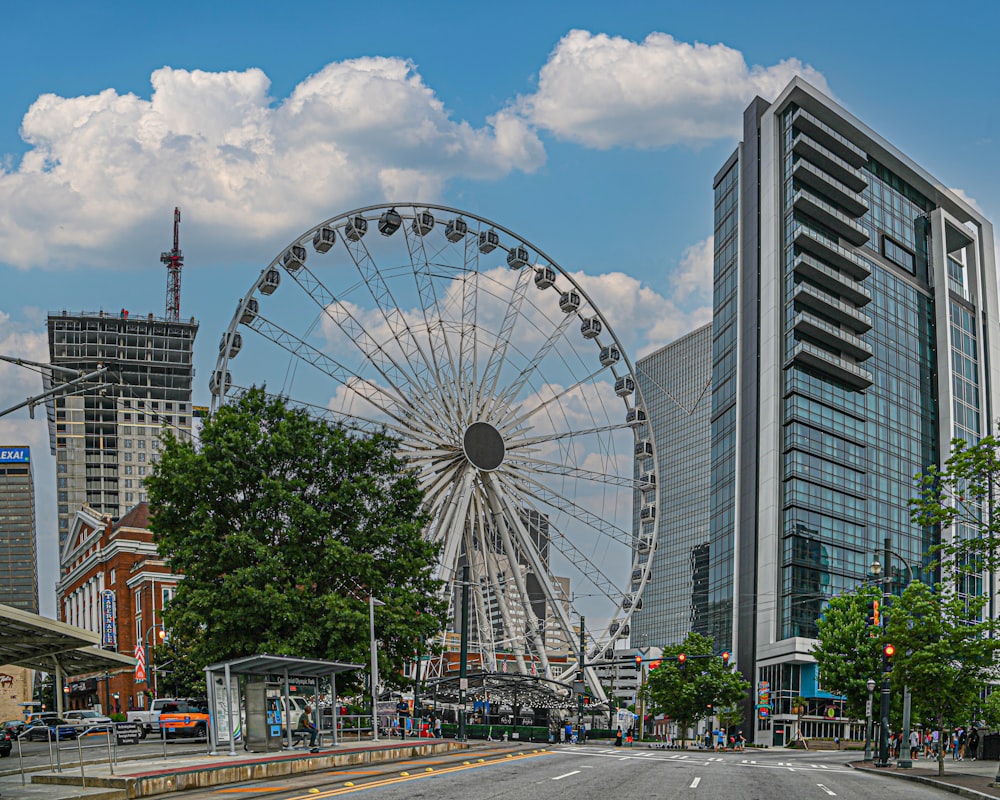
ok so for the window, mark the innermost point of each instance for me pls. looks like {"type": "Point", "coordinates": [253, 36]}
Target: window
{"type": "Point", "coordinates": [128, 483]}
{"type": "Point", "coordinates": [138, 605]}
{"type": "Point", "coordinates": [128, 457]}
{"type": "Point", "coordinates": [142, 456]}
{"type": "Point", "coordinates": [141, 444]}
{"type": "Point", "coordinates": [128, 442]}
{"type": "Point", "coordinates": [898, 254]}
{"type": "Point", "coordinates": [126, 430]}
{"type": "Point", "coordinates": [142, 470]}
{"type": "Point", "coordinates": [111, 579]}
{"type": "Point", "coordinates": [128, 497]}
{"type": "Point", "coordinates": [128, 470]}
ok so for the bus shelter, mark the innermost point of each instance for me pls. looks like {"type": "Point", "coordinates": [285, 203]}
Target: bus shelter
{"type": "Point", "coordinates": [266, 723]}
{"type": "Point", "coordinates": [36, 642]}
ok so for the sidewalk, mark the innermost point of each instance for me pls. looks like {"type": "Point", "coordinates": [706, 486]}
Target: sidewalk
{"type": "Point", "coordinates": [967, 778]}
{"type": "Point", "coordinates": [145, 777]}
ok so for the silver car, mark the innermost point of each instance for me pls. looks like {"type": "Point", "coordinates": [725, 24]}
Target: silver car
{"type": "Point", "coordinates": [87, 719]}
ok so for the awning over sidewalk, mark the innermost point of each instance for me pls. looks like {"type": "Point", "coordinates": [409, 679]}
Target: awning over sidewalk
{"type": "Point", "coordinates": [281, 665]}
{"type": "Point", "coordinates": [37, 642]}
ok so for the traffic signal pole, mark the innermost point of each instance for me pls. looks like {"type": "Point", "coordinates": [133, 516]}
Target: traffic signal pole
{"type": "Point", "coordinates": [883, 734]}
{"type": "Point", "coordinates": [580, 738]}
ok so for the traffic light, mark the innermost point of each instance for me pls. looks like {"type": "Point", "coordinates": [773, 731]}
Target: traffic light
{"type": "Point", "coordinates": [725, 658]}
{"type": "Point", "coordinates": [873, 613]}
{"type": "Point", "coordinates": [681, 660]}
{"type": "Point", "coordinates": [887, 653]}
{"type": "Point", "coordinates": [638, 660]}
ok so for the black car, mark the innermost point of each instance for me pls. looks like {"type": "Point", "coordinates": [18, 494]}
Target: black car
{"type": "Point", "coordinates": [5, 743]}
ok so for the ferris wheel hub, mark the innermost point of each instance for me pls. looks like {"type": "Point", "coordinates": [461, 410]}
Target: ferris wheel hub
{"type": "Point", "coordinates": [483, 446]}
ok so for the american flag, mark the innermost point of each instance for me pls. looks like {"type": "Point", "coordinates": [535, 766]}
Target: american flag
{"type": "Point", "coordinates": [505, 666]}
{"type": "Point", "coordinates": [533, 672]}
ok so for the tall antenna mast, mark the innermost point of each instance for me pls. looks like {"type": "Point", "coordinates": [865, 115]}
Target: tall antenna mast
{"type": "Point", "coordinates": [174, 261]}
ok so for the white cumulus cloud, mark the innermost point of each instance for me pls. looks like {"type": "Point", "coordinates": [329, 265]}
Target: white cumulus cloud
{"type": "Point", "coordinates": [102, 169]}
{"type": "Point", "coordinates": [605, 91]}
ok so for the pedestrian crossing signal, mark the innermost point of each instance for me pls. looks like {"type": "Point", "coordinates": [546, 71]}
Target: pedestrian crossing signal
{"type": "Point", "coordinates": [874, 618]}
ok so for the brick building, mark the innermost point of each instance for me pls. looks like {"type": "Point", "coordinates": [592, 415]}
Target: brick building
{"type": "Point", "coordinates": [113, 581]}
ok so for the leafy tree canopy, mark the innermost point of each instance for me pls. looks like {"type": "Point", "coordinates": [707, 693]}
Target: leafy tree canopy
{"type": "Point", "coordinates": [701, 688]}
{"type": "Point", "coordinates": [283, 526]}
{"type": "Point", "coordinates": [848, 650]}
{"type": "Point", "coordinates": [942, 652]}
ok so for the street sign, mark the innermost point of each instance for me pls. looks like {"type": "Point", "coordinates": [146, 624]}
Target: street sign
{"type": "Point", "coordinates": [868, 707]}
{"type": "Point", "coordinates": [463, 684]}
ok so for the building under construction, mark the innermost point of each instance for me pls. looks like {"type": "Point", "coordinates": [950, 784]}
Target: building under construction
{"type": "Point", "coordinates": [105, 433]}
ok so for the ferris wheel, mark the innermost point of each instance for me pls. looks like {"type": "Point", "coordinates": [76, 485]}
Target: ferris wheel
{"type": "Point", "coordinates": [510, 396]}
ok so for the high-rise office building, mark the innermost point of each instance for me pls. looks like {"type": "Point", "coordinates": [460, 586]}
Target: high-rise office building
{"type": "Point", "coordinates": [18, 544]}
{"type": "Point", "coordinates": [676, 385]}
{"type": "Point", "coordinates": [106, 436]}
{"type": "Point", "coordinates": [855, 311]}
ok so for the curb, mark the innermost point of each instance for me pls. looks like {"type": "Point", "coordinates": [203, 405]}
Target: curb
{"type": "Point", "coordinates": [962, 791]}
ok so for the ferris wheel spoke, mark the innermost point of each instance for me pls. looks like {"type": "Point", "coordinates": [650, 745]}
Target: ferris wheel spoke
{"type": "Point", "coordinates": [354, 332]}
{"type": "Point", "coordinates": [513, 423]}
{"type": "Point", "coordinates": [609, 588]}
{"type": "Point", "coordinates": [453, 526]}
{"type": "Point", "coordinates": [520, 442]}
{"type": "Point", "coordinates": [334, 369]}
{"type": "Point", "coordinates": [528, 486]}
{"type": "Point", "coordinates": [444, 368]}
{"type": "Point", "coordinates": [491, 374]}
{"type": "Point", "coordinates": [555, 468]}
{"type": "Point", "coordinates": [468, 333]}
{"type": "Point", "coordinates": [514, 389]}
{"type": "Point", "coordinates": [409, 343]}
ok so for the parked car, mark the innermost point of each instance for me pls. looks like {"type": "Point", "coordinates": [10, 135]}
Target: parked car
{"type": "Point", "coordinates": [13, 726]}
{"type": "Point", "coordinates": [6, 743]}
{"type": "Point", "coordinates": [51, 728]}
{"type": "Point", "coordinates": [148, 719]}
{"type": "Point", "coordinates": [89, 719]}
{"type": "Point", "coordinates": [188, 718]}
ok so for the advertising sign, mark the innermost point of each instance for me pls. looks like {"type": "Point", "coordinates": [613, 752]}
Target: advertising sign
{"type": "Point", "coordinates": [109, 621]}
{"type": "Point", "coordinates": [15, 455]}
{"type": "Point", "coordinates": [221, 712]}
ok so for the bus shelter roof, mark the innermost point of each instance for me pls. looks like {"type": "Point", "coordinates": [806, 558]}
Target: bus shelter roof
{"type": "Point", "coordinates": [280, 665]}
{"type": "Point", "coordinates": [36, 642]}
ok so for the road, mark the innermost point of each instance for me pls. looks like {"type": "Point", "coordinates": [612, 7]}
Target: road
{"type": "Point", "coordinates": [592, 772]}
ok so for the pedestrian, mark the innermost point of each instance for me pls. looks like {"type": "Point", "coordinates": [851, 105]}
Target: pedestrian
{"type": "Point", "coordinates": [741, 741]}
{"type": "Point", "coordinates": [437, 727]}
{"type": "Point", "coordinates": [720, 740]}
{"type": "Point", "coordinates": [914, 744]}
{"type": "Point", "coordinates": [962, 739]}
{"type": "Point", "coordinates": [973, 744]}
{"type": "Point", "coordinates": [569, 731]}
{"type": "Point", "coordinates": [628, 739]}
{"type": "Point", "coordinates": [618, 738]}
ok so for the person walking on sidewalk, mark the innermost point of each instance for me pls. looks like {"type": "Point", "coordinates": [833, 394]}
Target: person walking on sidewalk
{"type": "Point", "coordinates": [914, 745]}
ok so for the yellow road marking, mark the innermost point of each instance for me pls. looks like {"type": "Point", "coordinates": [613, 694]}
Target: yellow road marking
{"type": "Point", "coordinates": [254, 789]}
{"type": "Point", "coordinates": [403, 776]}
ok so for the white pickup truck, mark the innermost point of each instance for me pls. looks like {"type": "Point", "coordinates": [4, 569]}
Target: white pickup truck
{"type": "Point", "coordinates": [148, 719]}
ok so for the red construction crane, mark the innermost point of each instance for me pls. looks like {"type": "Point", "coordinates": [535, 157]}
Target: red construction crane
{"type": "Point", "coordinates": [174, 261]}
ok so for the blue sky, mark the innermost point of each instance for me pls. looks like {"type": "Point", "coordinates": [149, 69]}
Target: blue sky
{"type": "Point", "coordinates": [591, 129]}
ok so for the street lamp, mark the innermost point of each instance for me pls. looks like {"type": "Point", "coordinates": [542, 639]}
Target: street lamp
{"type": "Point", "coordinates": [372, 602]}
{"type": "Point", "coordinates": [161, 635]}
{"type": "Point", "coordinates": [868, 720]}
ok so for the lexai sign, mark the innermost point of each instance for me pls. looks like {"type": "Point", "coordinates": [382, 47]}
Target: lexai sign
{"type": "Point", "coordinates": [15, 455]}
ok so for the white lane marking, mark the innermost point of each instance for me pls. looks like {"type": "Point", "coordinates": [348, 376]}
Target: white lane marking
{"type": "Point", "coordinates": [586, 766]}
{"type": "Point", "coordinates": [560, 777]}
{"type": "Point", "coordinates": [821, 786]}
{"type": "Point", "coordinates": [694, 783]}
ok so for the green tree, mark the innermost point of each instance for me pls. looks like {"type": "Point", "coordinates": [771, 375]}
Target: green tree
{"type": "Point", "coordinates": [177, 673]}
{"type": "Point", "coordinates": [689, 693]}
{"type": "Point", "coordinates": [959, 497]}
{"type": "Point", "coordinates": [848, 649]}
{"type": "Point", "coordinates": [943, 654]}
{"type": "Point", "coordinates": [283, 525]}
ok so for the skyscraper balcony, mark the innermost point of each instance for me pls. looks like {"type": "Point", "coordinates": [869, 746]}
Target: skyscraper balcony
{"type": "Point", "coordinates": [808, 148]}
{"type": "Point", "coordinates": [811, 125]}
{"type": "Point", "coordinates": [806, 296]}
{"type": "Point", "coordinates": [821, 181]}
{"type": "Point", "coordinates": [843, 340]}
{"type": "Point", "coordinates": [831, 279]}
{"type": "Point", "coordinates": [819, 359]}
{"type": "Point", "coordinates": [807, 203]}
{"type": "Point", "coordinates": [836, 255]}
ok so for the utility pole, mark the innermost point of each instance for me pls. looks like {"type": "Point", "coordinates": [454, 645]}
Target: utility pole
{"type": "Point", "coordinates": [580, 738]}
{"type": "Point", "coordinates": [463, 680]}
{"type": "Point", "coordinates": [883, 734]}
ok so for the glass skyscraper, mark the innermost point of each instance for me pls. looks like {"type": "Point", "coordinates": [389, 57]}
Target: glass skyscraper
{"type": "Point", "coordinates": [855, 308]}
{"type": "Point", "coordinates": [676, 385]}
{"type": "Point", "coordinates": [18, 543]}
